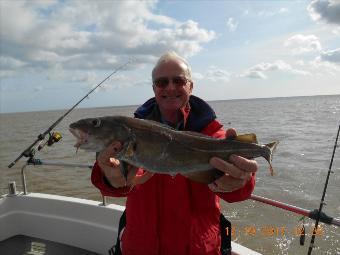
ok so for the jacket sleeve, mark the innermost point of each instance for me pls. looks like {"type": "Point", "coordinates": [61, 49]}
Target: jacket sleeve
{"type": "Point", "coordinates": [240, 194]}
{"type": "Point", "coordinates": [99, 180]}
{"type": "Point", "coordinates": [215, 129]}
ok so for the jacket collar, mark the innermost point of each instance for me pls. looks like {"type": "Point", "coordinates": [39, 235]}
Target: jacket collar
{"type": "Point", "coordinates": [196, 116]}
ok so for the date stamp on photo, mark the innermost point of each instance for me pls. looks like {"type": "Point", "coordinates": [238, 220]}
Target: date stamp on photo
{"type": "Point", "coordinates": [273, 231]}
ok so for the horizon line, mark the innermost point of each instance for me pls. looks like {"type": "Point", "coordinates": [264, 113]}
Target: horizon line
{"type": "Point", "coordinates": [129, 105]}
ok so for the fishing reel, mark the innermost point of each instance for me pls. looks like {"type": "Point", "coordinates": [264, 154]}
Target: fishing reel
{"type": "Point", "coordinates": [53, 138]}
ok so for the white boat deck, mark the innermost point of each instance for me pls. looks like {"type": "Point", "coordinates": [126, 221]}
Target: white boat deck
{"type": "Point", "coordinates": [78, 224]}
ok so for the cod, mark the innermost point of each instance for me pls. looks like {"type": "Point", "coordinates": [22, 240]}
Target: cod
{"type": "Point", "coordinates": [159, 148]}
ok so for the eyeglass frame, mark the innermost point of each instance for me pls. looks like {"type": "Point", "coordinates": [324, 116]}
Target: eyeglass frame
{"type": "Point", "coordinates": [168, 79]}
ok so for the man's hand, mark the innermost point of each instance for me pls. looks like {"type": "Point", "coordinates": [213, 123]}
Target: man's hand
{"type": "Point", "coordinates": [111, 168]}
{"type": "Point", "coordinates": [238, 170]}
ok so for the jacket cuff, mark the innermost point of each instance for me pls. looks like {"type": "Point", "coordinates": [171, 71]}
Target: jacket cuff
{"type": "Point", "coordinates": [99, 180]}
{"type": "Point", "coordinates": [241, 194]}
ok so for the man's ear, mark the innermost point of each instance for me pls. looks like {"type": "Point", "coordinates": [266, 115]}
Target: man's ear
{"type": "Point", "coordinates": [191, 86]}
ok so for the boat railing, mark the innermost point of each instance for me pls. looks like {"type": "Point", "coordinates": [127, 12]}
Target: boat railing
{"type": "Point", "coordinates": [39, 162]}
{"type": "Point", "coordinates": [312, 214]}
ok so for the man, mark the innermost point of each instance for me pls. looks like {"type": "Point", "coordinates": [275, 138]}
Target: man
{"type": "Point", "coordinates": [173, 215]}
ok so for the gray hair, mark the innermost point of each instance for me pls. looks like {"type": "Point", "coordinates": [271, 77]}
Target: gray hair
{"type": "Point", "coordinates": [172, 56]}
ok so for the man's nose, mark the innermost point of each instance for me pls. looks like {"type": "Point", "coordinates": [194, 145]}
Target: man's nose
{"type": "Point", "coordinates": [171, 85]}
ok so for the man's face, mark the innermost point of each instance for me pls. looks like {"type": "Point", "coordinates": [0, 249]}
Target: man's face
{"type": "Point", "coordinates": [171, 86]}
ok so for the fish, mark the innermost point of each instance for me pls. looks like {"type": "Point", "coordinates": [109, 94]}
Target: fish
{"type": "Point", "coordinates": [158, 148]}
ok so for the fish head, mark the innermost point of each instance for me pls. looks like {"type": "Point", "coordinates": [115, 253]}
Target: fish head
{"type": "Point", "coordinates": [95, 134]}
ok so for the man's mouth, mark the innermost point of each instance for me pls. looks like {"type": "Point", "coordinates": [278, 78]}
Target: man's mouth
{"type": "Point", "coordinates": [171, 97]}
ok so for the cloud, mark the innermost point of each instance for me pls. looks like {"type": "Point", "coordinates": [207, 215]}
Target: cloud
{"type": "Point", "coordinates": [320, 67]}
{"type": "Point", "coordinates": [9, 62]}
{"type": "Point", "coordinates": [331, 56]}
{"type": "Point", "coordinates": [327, 10]}
{"type": "Point", "coordinates": [215, 74]}
{"type": "Point", "coordinates": [300, 44]}
{"type": "Point", "coordinates": [259, 71]}
{"type": "Point", "coordinates": [197, 76]}
{"type": "Point", "coordinates": [88, 77]}
{"type": "Point", "coordinates": [266, 13]}
{"type": "Point", "coordinates": [232, 24]}
{"type": "Point", "coordinates": [336, 31]}
{"type": "Point", "coordinates": [89, 35]}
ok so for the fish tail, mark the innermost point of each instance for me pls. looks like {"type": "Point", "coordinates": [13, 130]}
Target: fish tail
{"type": "Point", "coordinates": [269, 155]}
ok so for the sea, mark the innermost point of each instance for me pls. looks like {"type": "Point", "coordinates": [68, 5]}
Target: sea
{"type": "Point", "coordinates": [306, 128]}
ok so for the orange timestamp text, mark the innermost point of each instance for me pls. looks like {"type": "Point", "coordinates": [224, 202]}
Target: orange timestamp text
{"type": "Point", "coordinates": [273, 231]}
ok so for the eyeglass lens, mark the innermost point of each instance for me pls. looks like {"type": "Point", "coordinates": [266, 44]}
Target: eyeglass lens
{"type": "Point", "coordinates": [163, 82]}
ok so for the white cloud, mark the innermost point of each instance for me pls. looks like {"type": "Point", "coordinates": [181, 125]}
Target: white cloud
{"type": "Point", "coordinates": [324, 68]}
{"type": "Point", "coordinates": [266, 13]}
{"type": "Point", "coordinates": [331, 55]}
{"type": "Point", "coordinates": [216, 74]}
{"type": "Point", "coordinates": [88, 35]}
{"type": "Point", "coordinates": [300, 62]}
{"type": "Point", "coordinates": [6, 73]}
{"type": "Point", "coordinates": [336, 31]}
{"type": "Point", "coordinates": [88, 77]}
{"type": "Point", "coordinates": [259, 71]}
{"type": "Point", "coordinates": [232, 24]}
{"type": "Point", "coordinates": [327, 10]}
{"type": "Point", "coordinates": [10, 63]}
{"type": "Point", "coordinates": [197, 76]}
{"type": "Point", "coordinates": [213, 74]}
{"type": "Point", "coordinates": [303, 43]}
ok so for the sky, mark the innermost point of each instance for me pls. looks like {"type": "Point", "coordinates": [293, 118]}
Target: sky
{"type": "Point", "coordinates": [53, 52]}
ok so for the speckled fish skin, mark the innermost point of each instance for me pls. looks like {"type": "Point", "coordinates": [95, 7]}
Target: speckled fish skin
{"type": "Point", "coordinates": [161, 149]}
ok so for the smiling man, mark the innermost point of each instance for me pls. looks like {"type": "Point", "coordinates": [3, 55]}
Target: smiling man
{"type": "Point", "coordinates": [174, 215]}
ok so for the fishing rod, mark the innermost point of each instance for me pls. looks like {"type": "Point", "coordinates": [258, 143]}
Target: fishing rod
{"type": "Point", "coordinates": [55, 137]}
{"type": "Point", "coordinates": [312, 214]}
{"type": "Point", "coordinates": [311, 245]}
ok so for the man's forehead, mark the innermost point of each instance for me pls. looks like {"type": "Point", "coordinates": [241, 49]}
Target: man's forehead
{"type": "Point", "coordinates": [171, 65]}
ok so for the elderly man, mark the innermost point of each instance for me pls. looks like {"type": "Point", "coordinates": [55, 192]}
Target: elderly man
{"type": "Point", "coordinates": [173, 215]}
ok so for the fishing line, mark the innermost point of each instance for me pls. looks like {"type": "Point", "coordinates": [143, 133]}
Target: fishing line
{"type": "Point", "coordinates": [29, 152]}
{"type": "Point", "coordinates": [311, 245]}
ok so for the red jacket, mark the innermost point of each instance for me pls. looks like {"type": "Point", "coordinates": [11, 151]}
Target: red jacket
{"type": "Point", "coordinates": [172, 215]}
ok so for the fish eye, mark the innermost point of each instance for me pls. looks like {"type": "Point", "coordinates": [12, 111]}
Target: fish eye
{"type": "Point", "coordinates": [96, 122]}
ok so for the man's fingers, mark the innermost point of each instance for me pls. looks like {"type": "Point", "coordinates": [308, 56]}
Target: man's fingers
{"type": "Point", "coordinates": [227, 184]}
{"type": "Point", "coordinates": [247, 165]}
{"type": "Point", "coordinates": [141, 179]}
{"type": "Point", "coordinates": [228, 168]}
{"type": "Point", "coordinates": [114, 162]}
{"type": "Point", "coordinates": [110, 151]}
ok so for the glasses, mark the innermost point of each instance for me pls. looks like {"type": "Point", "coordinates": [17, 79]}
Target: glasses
{"type": "Point", "coordinates": [163, 82]}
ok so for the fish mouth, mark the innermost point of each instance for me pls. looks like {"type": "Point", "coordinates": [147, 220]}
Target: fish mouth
{"type": "Point", "coordinates": [82, 137]}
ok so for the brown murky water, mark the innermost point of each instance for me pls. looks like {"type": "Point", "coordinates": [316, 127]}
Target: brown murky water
{"type": "Point", "coordinates": [305, 126]}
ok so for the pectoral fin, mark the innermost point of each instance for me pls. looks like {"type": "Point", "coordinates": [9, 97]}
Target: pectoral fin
{"type": "Point", "coordinates": [205, 177]}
